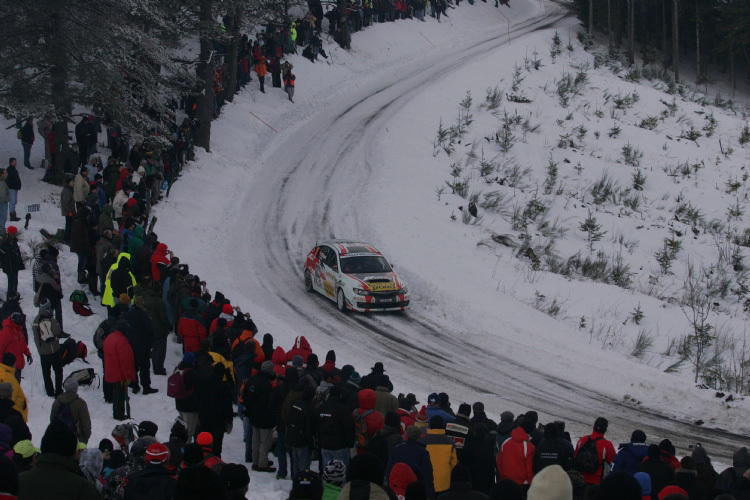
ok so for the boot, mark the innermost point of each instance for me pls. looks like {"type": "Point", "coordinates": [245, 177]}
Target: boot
{"type": "Point", "coordinates": [13, 217]}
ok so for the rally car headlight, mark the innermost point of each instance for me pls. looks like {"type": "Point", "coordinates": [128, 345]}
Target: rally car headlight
{"type": "Point", "coordinates": [359, 291]}
{"type": "Point", "coordinates": [403, 290]}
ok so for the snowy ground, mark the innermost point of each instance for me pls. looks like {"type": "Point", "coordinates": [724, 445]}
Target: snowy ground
{"type": "Point", "coordinates": [354, 158]}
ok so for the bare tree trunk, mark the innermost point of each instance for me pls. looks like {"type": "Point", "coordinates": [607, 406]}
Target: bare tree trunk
{"type": "Point", "coordinates": [732, 76]}
{"type": "Point", "coordinates": [664, 31]}
{"type": "Point", "coordinates": [631, 32]}
{"type": "Point", "coordinates": [344, 24]}
{"type": "Point", "coordinates": [205, 76]}
{"type": "Point", "coordinates": [675, 40]}
{"type": "Point", "coordinates": [610, 34]}
{"type": "Point", "coordinates": [699, 73]}
{"type": "Point", "coordinates": [591, 18]}
{"type": "Point", "coordinates": [232, 56]}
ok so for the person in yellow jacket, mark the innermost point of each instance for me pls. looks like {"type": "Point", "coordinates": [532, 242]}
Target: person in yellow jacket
{"type": "Point", "coordinates": [442, 454]}
{"type": "Point", "coordinates": [8, 375]}
{"type": "Point", "coordinates": [123, 278]}
{"type": "Point", "coordinates": [228, 365]}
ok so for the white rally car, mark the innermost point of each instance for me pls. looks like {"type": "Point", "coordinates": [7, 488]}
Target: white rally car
{"type": "Point", "coordinates": [356, 276]}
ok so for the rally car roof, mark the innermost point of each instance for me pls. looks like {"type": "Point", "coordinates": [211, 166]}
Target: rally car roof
{"type": "Point", "coordinates": [346, 247]}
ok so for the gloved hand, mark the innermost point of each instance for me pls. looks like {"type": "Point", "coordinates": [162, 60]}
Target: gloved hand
{"type": "Point", "coordinates": [126, 382]}
{"type": "Point", "coordinates": [229, 429]}
{"type": "Point", "coordinates": [29, 359]}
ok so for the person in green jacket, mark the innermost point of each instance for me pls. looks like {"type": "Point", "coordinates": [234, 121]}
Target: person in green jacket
{"type": "Point", "coordinates": [136, 241]}
{"type": "Point", "coordinates": [156, 309]}
{"type": "Point", "coordinates": [56, 474]}
{"type": "Point", "coordinates": [334, 477]}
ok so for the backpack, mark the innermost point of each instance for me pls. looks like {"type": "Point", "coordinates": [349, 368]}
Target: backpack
{"type": "Point", "coordinates": [361, 436]}
{"type": "Point", "coordinates": [79, 296]}
{"type": "Point", "coordinates": [176, 385]}
{"type": "Point", "coordinates": [71, 350]}
{"type": "Point", "coordinates": [588, 456]}
{"type": "Point", "coordinates": [378, 446]}
{"type": "Point", "coordinates": [85, 376]}
{"type": "Point", "coordinates": [45, 330]}
{"type": "Point", "coordinates": [64, 414]}
{"type": "Point", "coordinates": [124, 434]}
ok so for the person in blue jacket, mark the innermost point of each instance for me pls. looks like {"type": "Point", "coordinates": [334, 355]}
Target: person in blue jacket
{"type": "Point", "coordinates": [433, 408]}
{"type": "Point", "coordinates": [630, 455]}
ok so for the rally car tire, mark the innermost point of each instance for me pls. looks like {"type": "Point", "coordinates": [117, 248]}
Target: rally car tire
{"type": "Point", "coordinates": [341, 300]}
{"type": "Point", "coordinates": [308, 281]}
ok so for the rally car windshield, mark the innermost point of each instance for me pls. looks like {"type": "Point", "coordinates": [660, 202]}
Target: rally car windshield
{"type": "Point", "coordinates": [365, 264]}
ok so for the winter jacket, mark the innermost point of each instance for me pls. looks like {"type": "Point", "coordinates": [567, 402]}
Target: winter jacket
{"type": "Point", "coordinates": [462, 490]}
{"type": "Point", "coordinates": [103, 245]}
{"type": "Point", "coordinates": [120, 199]}
{"type": "Point", "coordinates": [158, 257]}
{"type": "Point", "coordinates": [67, 205]}
{"type": "Point", "coordinates": [79, 410]}
{"type": "Point", "coordinates": [118, 358]}
{"type": "Point", "coordinates": [400, 478]}
{"type": "Point", "coordinates": [460, 430]}
{"type": "Point", "coordinates": [433, 410]}
{"type": "Point", "coordinates": [51, 289]}
{"type": "Point", "coordinates": [442, 456]}
{"type": "Point", "coordinates": [516, 458]}
{"type": "Point", "coordinates": [629, 457]}
{"type": "Point", "coordinates": [214, 401]}
{"type": "Point", "coordinates": [374, 420]}
{"type": "Point", "coordinates": [260, 68]}
{"type": "Point", "coordinates": [136, 241]}
{"type": "Point", "coordinates": [51, 346]}
{"type": "Point", "coordinates": [156, 309]}
{"type": "Point", "coordinates": [27, 134]}
{"type": "Point", "coordinates": [116, 283]}
{"type": "Point", "coordinates": [58, 477]}
{"type": "Point", "coordinates": [4, 191]}
{"type": "Point", "coordinates": [385, 401]}
{"type": "Point", "coordinates": [740, 490]}
{"type": "Point", "coordinates": [605, 453]}
{"type": "Point", "coordinates": [478, 456]}
{"type": "Point", "coordinates": [553, 450]}
{"type": "Point", "coordinates": [278, 398]}
{"type": "Point", "coordinates": [256, 398]}
{"type": "Point", "coordinates": [360, 489]}
{"type": "Point", "coordinates": [7, 410]}
{"type": "Point", "coordinates": [143, 257]}
{"type": "Point", "coordinates": [79, 234]}
{"type": "Point", "coordinates": [190, 403]}
{"type": "Point", "coordinates": [81, 188]}
{"type": "Point", "coordinates": [383, 442]}
{"type": "Point", "coordinates": [301, 347]}
{"type": "Point", "coordinates": [12, 340]}
{"type": "Point", "coordinates": [279, 361]}
{"type": "Point", "coordinates": [661, 474]}
{"type": "Point", "coordinates": [105, 220]}
{"type": "Point", "coordinates": [300, 424]}
{"type": "Point", "coordinates": [8, 374]}
{"type": "Point", "coordinates": [140, 334]}
{"type": "Point", "coordinates": [10, 256]}
{"type": "Point", "coordinates": [685, 479]}
{"type": "Point", "coordinates": [335, 425]}
{"type": "Point", "coordinates": [415, 455]}
{"type": "Point", "coordinates": [191, 330]}
{"type": "Point", "coordinates": [13, 180]}
{"type": "Point", "coordinates": [154, 482]}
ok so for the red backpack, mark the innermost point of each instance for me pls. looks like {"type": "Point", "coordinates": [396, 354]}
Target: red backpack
{"type": "Point", "coordinates": [176, 385]}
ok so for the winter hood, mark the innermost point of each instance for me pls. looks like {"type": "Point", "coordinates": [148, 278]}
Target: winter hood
{"type": "Point", "coordinates": [401, 477]}
{"type": "Point", "coordinates": [107, 210]}
{"type": "Point", "coordinates": [302, 343]}
{"type": "Point", "coordinates": [161, 249]}
{"type": "Point", "coordinates": [519, 435]}
{"type": "Point", "coordinates": [279, 356]}
{"type": "Point", "coordinates": [367, 398]}
{"type": "Point", "coordinates": [91, 462]}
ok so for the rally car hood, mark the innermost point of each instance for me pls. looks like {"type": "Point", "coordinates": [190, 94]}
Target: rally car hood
{"type": "Point", "coordinates": [378, 281]}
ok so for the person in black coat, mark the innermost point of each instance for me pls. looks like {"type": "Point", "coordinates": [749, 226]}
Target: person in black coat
{"type": "Point", "coordinates": [461, 486]}
{"type": "Point", "coordinates": [685, 477]}
{"type": "Point", "coordinates": [660, 472]}
{"type": "Point", "coordinates": [14, 186]}
{"type": "Point", "coordinates": [277, 398]}
{"type": "Point", "coordinates": [154, 481]}
{"type": "Point", "coordinates": [215, 407]}
{"type": "Point", "coordinates": [141, 337]}
{"type": "Point", "coordinates": [335, 426]}
{"type": "Point", "coordinates": [300, 429]}
{"type": "Point", "coordinates": [120, 279]}
{"type": "Point", "coordinates": [188, 407]}
{"type": "Point", "coordinates": [552, 449]}
{"type": "Point", "coordinates": [256, 398]}
{"type": "Point", "coordinates": [479, 457]}
{"type": "Point", "coordinates": [11, 260]}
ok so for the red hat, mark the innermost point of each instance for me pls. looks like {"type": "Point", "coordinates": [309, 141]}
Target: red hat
{"type": "Point", "coordinates": [157, 453]}
{"type": "Point", "coordinates": [12, 229]}
{"type": "Point", "coordinates": [227, 309]}
{"type": "Point", "coordinates": [671, 490]}
{"type": "Point", "coordinates": [422, 415]}
{"type": "Point", "coordinates": [131, 202]}
{"type": "Point", "coordinates": [205, 439]}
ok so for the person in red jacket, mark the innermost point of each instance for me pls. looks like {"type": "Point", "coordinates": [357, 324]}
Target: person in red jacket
{"type": "Point", "coordinates": [191, 328]}
{"type": "Point", "coordinates": [516, 457]}
{"type": "Point", "coordinates": [605, 450]}
{"type": "Point", "coordinates": [373, 418]}
{"type": "Point", "coordinates": [159, 260]}
{"type": "Point", "coordinates": [668, 451]}
{"type": "Point", "coordinates": [301, 347]}
{"type": "Point", "coordinates": [227, 312]}
{"type": "Point", "coordinates": [279, 363]}
{"type": "Point", "coordinates": [119, 367]}
{"type": "Point", "coordinates": [401, 477]}
{"type": "Point", "coordinates": [13, 340]}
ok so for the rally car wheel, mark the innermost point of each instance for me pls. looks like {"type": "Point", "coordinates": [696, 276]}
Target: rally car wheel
{"type": "Point", "coordinates": [341, 300]}
{"type": "Point", "coordinates": [308, 281]}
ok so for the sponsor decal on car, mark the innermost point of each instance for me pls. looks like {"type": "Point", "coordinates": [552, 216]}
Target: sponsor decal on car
{"type": "Point", "coordinates": [382, 287]}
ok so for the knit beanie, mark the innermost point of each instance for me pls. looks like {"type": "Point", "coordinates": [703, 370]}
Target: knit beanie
{"type": "Point", "coordinates": [671, 490]}
{"type": "Point", "coordinates": [619, 486]}
{"type": "Point", "coordinates": [147, 428]}
{"type": "Point", "coordinates": [234, 476]}
{"type": "Point", "coordinates": [157, 453]}
{"type": "Point", "coordinates": [335, 473]}
{"type": "Point", "coordinates": [59, 439]}
{"type": "Point", "coordinates": [331, 356]}
{"type": "Point", "coordinates": [700, 455]}
{"type": "Point", "coordinates": [645, 481]}
{"type": "Point", "coordinates": [124, 299]}
{"type": "Point", "coordinates": [45, 305]}
{"type": "Point", "coordinates": [551, 483]}
{"type": "Point", "coordinates": [70, 385]}
{"type": "Point", "coordinates": [366, 466]}
{"type": "Point", "coordinates": [601, 425]}
{"type": "Point", "coordinates": [464, 410]}
{"type": "Point", "coordinates": [638, 437]}
{"type": "Point", "coordinates": [460, 474]}
{"type": "Point", "coordinates": [298, 361]}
